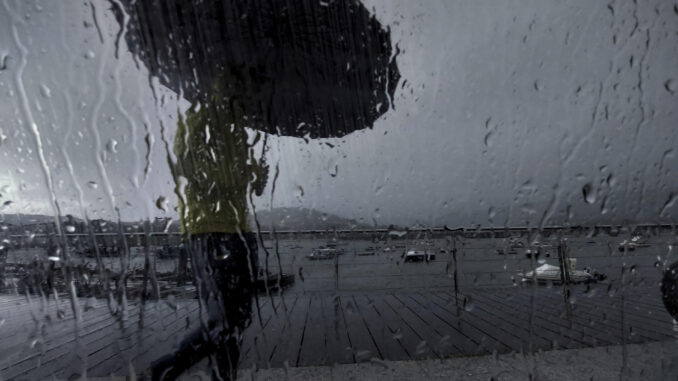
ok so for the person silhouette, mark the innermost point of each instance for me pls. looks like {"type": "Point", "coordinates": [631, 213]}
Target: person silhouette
{"type": "Point", "coordinates": [214, 156]}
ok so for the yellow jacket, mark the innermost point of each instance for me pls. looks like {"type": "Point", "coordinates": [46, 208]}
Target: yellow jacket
{"type": "Point", "coordinates": [218, 163]}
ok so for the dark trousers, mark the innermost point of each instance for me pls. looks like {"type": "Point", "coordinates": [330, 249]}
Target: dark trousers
{"type": "Point", "coordinates": [225, 271]}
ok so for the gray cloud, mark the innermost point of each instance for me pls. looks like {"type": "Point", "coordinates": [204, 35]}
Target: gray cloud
{"type": "Point", "coordinates": [508, 112]}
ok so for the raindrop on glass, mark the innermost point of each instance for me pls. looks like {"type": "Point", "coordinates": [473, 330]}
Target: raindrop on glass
{"type": "Point", "coordinates": [172, 302]}
{"type": "Point", "coordinates": [588, 193]}
{"type": "Point", "coordinates": [112, 146]}
{"type": "Point", "coordinates": [3, 61]}
{"type": "Point", "coordinates": [469, 304]}
{"type": "Point", "coordinates": [45, 91]}
{"type": "Point", "coordinates": [671, 86]}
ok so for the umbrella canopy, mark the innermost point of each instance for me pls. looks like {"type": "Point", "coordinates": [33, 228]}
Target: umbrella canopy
{"type": "Point", "coordinates": [292, 67]}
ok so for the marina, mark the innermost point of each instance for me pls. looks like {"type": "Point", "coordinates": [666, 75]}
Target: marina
{"type": "Point", "coordinates": [468, 301]}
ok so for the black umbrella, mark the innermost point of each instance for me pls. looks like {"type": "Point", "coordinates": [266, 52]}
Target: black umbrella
{"type": "Point", "coordinates": [294, 67]}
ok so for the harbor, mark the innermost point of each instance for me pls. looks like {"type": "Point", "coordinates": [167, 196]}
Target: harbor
{"type": "Point", "coordinates": [355, 308]}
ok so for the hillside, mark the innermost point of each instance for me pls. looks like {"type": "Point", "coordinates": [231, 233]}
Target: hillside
{"type": "Point", "coordinates": [303, 219]}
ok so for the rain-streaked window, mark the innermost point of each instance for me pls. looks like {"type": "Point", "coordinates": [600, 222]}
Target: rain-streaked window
{"type": "Point", "coordinates": [338, 189]}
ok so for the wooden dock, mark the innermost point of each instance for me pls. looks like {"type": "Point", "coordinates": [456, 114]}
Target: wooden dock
{"type": "Point", "coordinates": [38, 339]}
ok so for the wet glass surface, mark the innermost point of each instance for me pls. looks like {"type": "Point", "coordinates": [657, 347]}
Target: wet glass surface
{"type": "Point", "coordinates": [332, 189]}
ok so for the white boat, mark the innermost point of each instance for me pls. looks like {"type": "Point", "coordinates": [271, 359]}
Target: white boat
{"type": "Point", "coordinates": [418, 256]}
{"type": "Point", "coordinates": [632, 244]}
{"type": "Point", "coordinates": [325, 253]}
{"type": "Point", "coordinates": [550, 273]}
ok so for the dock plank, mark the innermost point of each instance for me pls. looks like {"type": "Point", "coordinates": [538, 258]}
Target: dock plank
{"type": "Point", "coordinates": [56, 351]}
{"type": "Point", "coordinates": [484, 333]}
{"type": "Point", "coordinates": [531, 337]}
{"type": "Point", "coordinates": [339, 348]}
{"type": "Point", "coordinates": [428, 338]}
{"type": "Point", "coordinates": [559, 334]}
{"type": "Point", "coordinates": [274, 336]}
{"type": "Point", "coordinates": [314, 344]}
{"type": "Point", "coordinates": [362, 343]}
{"type": "Point", "coordinates": [250, 351]}
{"type": "Point", "coordinates": [288, 349]}
{"type": "Point", "coordinates": [553, 306]}
{"type": "Point", "coordinates": [324, 328]}
{"type": "Point", "coordinates": [383, 334]}
{"type": "Point", "coordinates": [653, 326]}
{"type": "Point", "coordinates": [491, 325]}
{"type": "Point", "coordinates": [452, 341]}
{"type": "Point", "coordinates": [163, 338]}
{"type": "Point", "coordinates": [602, 316]}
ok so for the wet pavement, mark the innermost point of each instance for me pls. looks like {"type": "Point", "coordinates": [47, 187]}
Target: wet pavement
{"type": "Point", "coordinates": [652, 361]}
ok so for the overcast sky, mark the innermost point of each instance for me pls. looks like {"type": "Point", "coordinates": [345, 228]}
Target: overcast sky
{"type": "Point", "coordinates": [510, 109]}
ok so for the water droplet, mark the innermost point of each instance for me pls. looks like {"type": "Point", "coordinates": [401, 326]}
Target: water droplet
{"type": "Point", "coordinates": [334, 171]}
{"type": "Point", "coordinates": [89, 55]}
{"type": "Point", "coordinates": [445, 341]}
{"type": "Point", "coordinates": [671, 86]}
{"type": "Point", "coordinates": [350, 309]}
{"type": "Point", "coordinates": [161, 203]}
{"type": "Point", "coordinates": [572, 299]}
{"type": "Point", "coordinates": [45, 91]}
{"type": "Point", "coordinates": [380, 362]}
{"type": "Point", "coordinates": [112, 146]}
{"type": "Point", "coordinates": [3, 60]}
{"type": "Point", "coordinates": [91, 303]}
{"type": "Point", "coordinates": [421, 347]}
{"type": "Point", "coordinates": [363, 355]}
{"type": "Point", "coordinates": [611, 291]}
{"type": "Point", "coordinates": [589, 195]}
{"type": "Point", "coordinates": [376, 215]}
{"type": "Point", "coordinates": [469, 304]}
{"type": "Point", "coordinates": [92, 184]}
{"type": "Point", "coordinates": [491, 213]}
{"type": "Point", "coordinates": [487, 139]}
{"type": "Point", "coordinates": [172, 302]}
{"type": "Point", "coordinates": [592, 292]}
